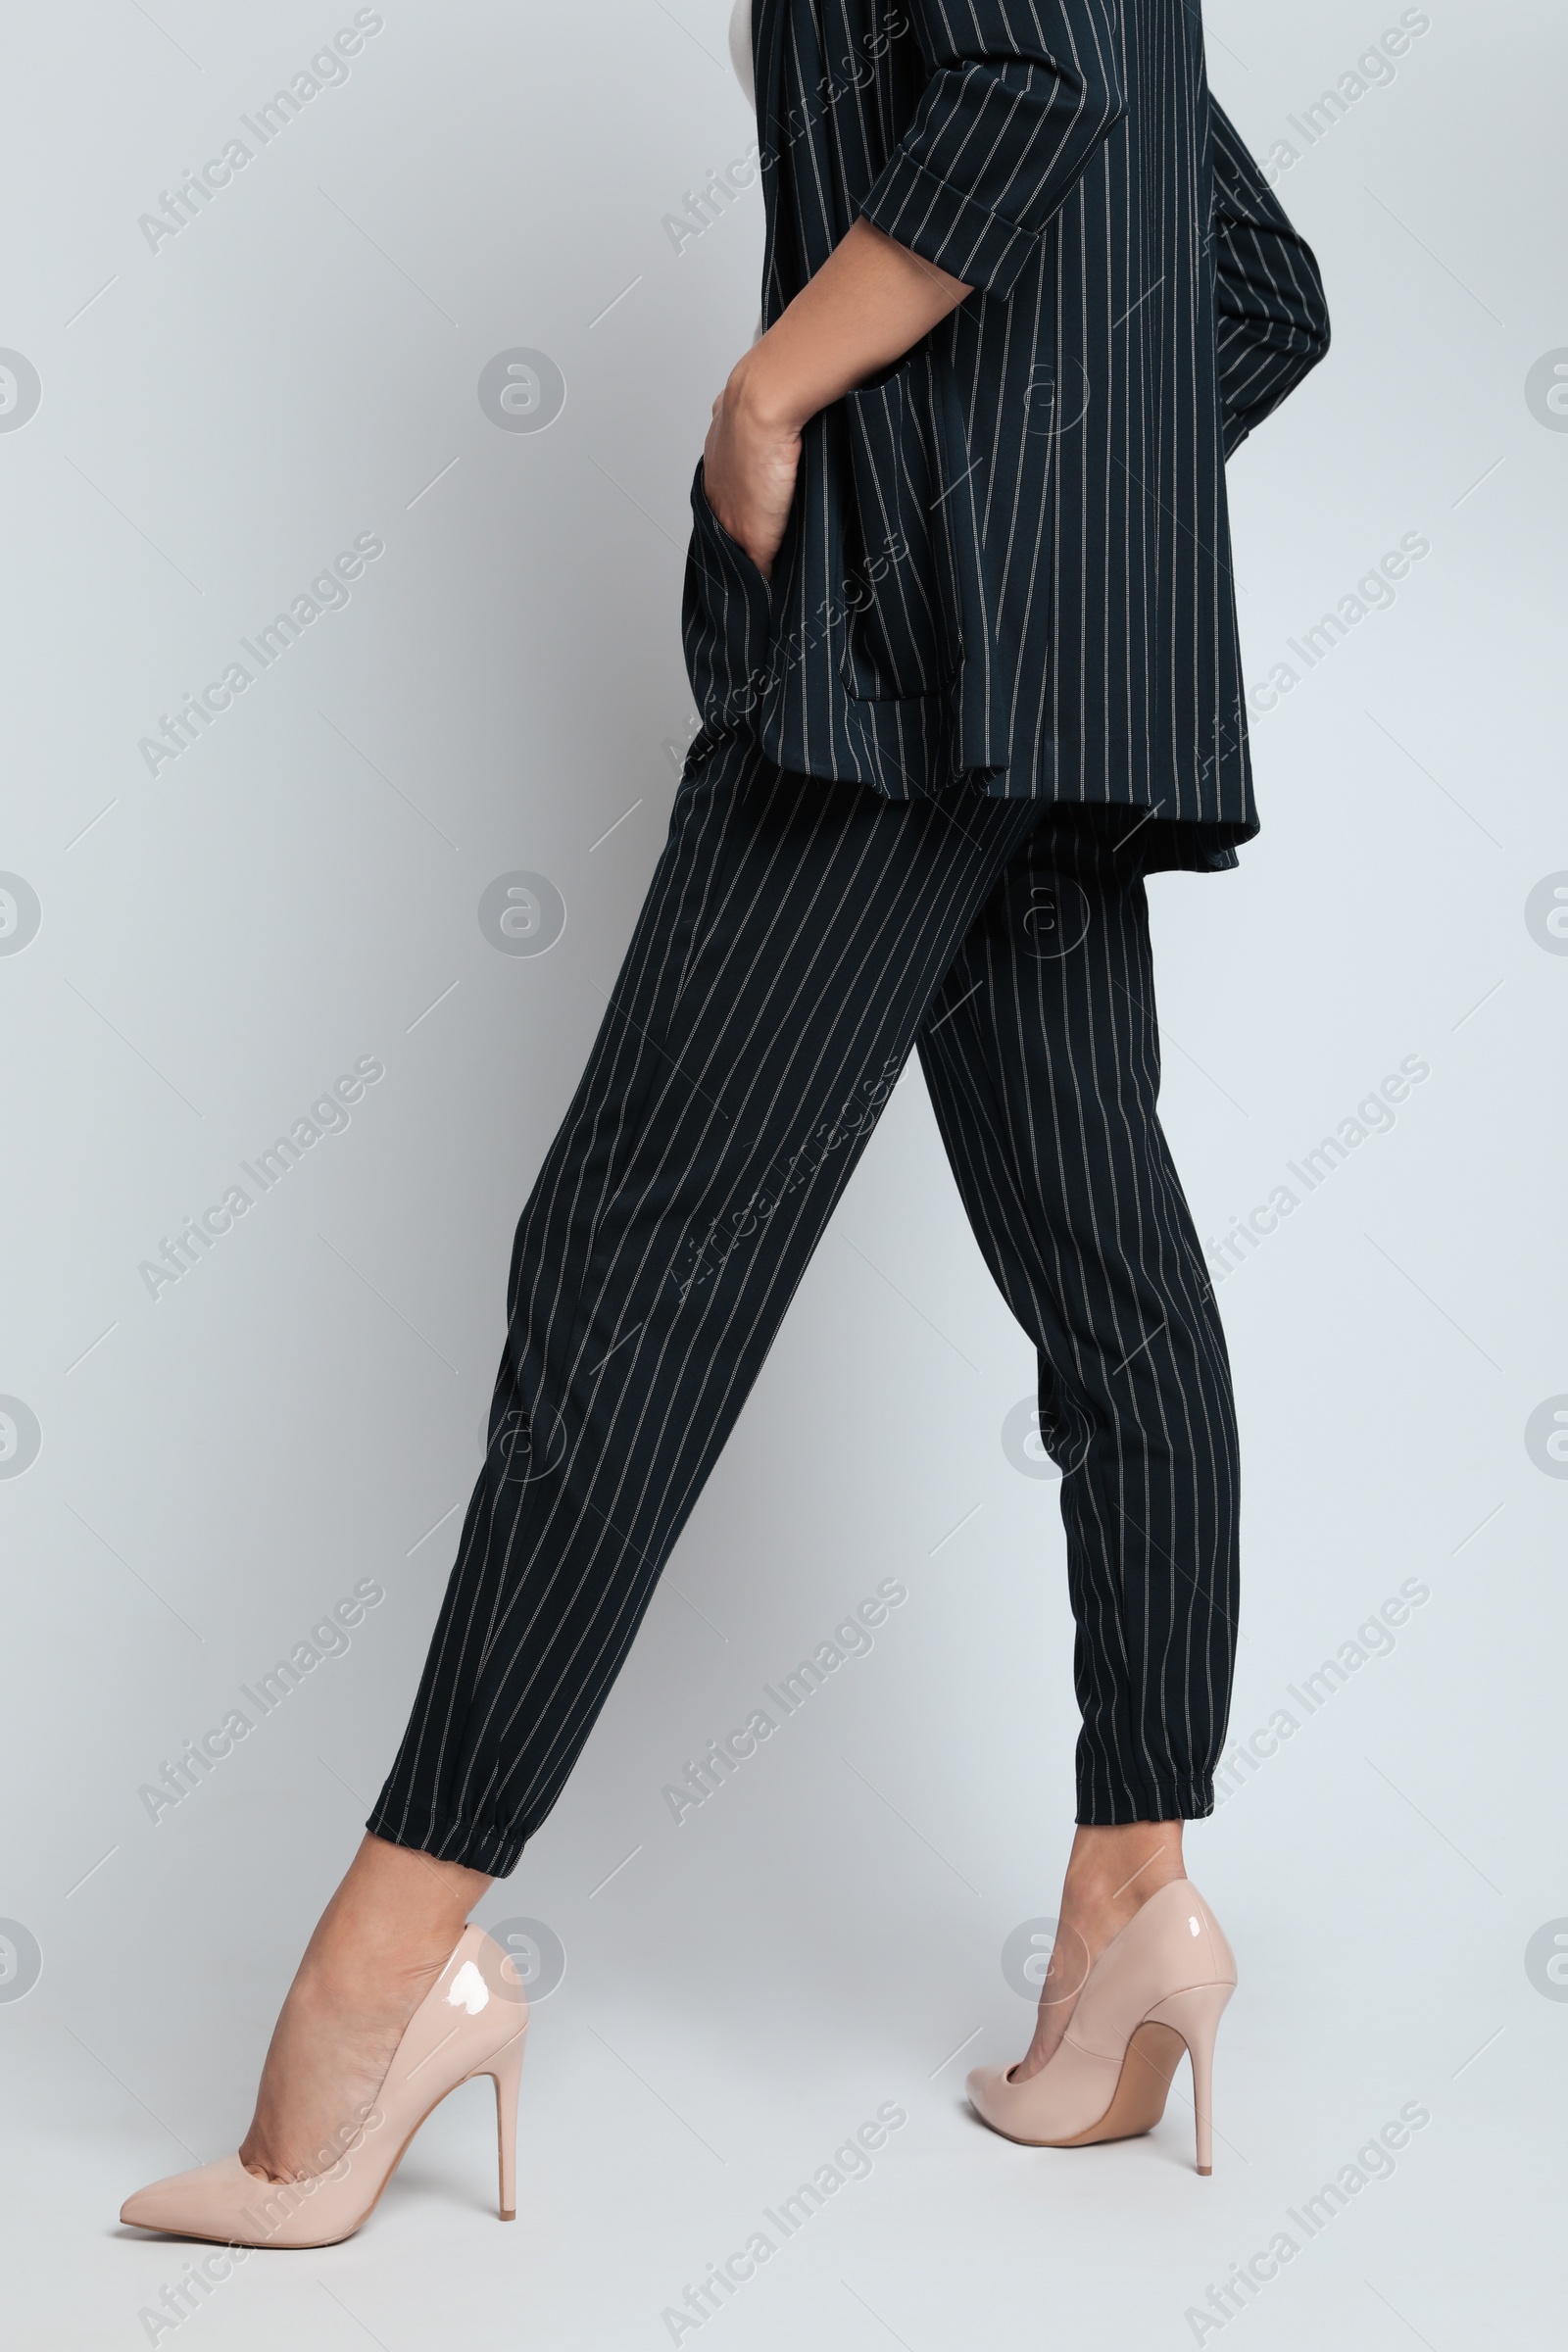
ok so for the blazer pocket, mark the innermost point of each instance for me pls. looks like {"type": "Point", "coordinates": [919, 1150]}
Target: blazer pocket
{"type": "Point", "coordinates": [727, 616]}
{"type": "Point", "coordinates": [901, 640]}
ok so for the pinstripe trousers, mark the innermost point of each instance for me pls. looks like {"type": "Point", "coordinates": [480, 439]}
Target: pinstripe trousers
{"type": "Point", "coordinates": [798, 940]}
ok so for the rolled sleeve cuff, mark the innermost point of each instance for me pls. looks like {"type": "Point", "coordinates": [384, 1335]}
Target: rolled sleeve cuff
{"type": "Point", "coordinates": [943, 225]}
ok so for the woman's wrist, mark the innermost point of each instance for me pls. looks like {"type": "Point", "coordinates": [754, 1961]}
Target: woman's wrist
{"type": "Point", "coordinates": [766, 395]}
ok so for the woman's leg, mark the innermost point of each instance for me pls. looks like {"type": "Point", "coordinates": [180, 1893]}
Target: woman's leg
{"type": "Point", "coordinates": [793, 938]}
{"type": "Point", "coordinates": [1041, 1053]}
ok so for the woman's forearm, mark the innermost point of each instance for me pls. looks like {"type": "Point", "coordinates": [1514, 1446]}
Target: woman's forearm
{"type": "Point", "coordinates": [869, 303]}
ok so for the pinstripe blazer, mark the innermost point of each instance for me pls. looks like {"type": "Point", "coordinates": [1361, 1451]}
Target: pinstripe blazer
{"type": "Point", "coordinates": [1009, 557]}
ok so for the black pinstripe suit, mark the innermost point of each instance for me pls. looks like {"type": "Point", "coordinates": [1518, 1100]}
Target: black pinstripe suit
{"type": "Point", "coordinates": [815, 916]}
{"type": "Point", "coordinates": [1010, 559]}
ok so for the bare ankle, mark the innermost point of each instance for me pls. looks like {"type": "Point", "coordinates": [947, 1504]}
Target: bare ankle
{"type": "Point", "coordinates": [1112, 1872]}
{"type": "Point", "coordinates": [397, 1907]}
{"type": "Point", "coordinates": [1125, 1853]}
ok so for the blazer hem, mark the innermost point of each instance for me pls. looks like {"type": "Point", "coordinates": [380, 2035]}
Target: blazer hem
{"type": "Point", "coordinates": [1194, 845]}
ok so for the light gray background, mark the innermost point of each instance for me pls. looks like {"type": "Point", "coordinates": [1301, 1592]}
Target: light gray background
{"type": "Point", "coordinates": [300, 888]}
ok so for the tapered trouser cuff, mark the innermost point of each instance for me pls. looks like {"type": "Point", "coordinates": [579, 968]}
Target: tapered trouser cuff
{"type": "Point", "coordinates": [1175, 1801]}
{"type": "Point", "coordinates": [477, 1845]}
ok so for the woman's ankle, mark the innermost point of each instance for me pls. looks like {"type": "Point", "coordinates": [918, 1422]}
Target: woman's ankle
{"type": "Point", "coordinates": [392, 1921]}
{"type": "Point", "coordinates": [398, 1892]}
{"type": "Point", "coordinates": [1112, 1873]}
{"type": "Point", "coordinates": [1114, 1869]}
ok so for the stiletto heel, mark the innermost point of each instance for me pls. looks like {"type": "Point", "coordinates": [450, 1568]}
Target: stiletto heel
{"type": "Point", "coordinates": [473, 2021]}
{"type": "Point", "coordinates": [1158, 1987]}
{"type": "Point", "coordinates": [1196, 2016]}
{"type": "Point", "coordinates": [506, 2073]}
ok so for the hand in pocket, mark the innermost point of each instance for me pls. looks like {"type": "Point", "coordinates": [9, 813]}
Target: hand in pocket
{"type": "Point", "coordinates": [749, 469]}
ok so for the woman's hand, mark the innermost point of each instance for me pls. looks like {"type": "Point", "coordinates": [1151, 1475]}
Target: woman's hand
{"type": "Point", "coordinates": [750, 461]}
{"type": "Point", "coordinates": [870, 302]}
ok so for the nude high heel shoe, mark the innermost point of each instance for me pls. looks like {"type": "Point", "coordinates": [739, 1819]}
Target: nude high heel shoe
{"type": "Point", "coordinates": [473, 2021]}
{"type": "Point", "coordinates": [1159, 1987]}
